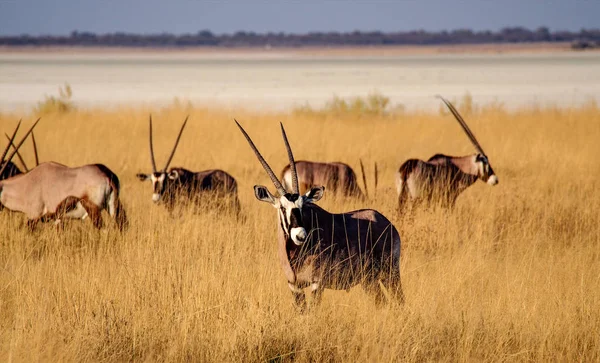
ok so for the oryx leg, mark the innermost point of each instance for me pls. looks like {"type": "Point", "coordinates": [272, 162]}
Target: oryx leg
{"type": "Point", "coordinates": [31, 223]}
{"type": "Point", "coordinates": [371, 287]}
{"type": "Point", "coordinates": [391, 282]}
{"type": "Point", "coordinates": [235, 206]}
{"type": "Point", "coordinates": [299, 297]}
{"type": "Point", "coordinates": [86, 208]}
{"type": "Point", "coordinates": [402, 201]}
{"type": "Point", "coordinates": [67, 205]}
{"type": "Point", "coordinates": [316, 293]}
{"type": "Point", "coordinates": [384, 289]}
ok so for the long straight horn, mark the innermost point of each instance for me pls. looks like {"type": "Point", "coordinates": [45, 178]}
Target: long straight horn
{"type": "Point", "coordinates": [152, 148]}
{"type": "Point", "coordinates": [292, 162]}
{"type": "Point", "coordinates": [462, 123]}
{"type": "Point", "coordinates": [18, 145]}
{"type": "Point", "coordinates": [10, 142]}
{"type": "Point", "coordinates": [376, 180]}
{"type": "Point", "coordinates": [35, 151]}
{"type": "Point", "coordinates": [176, 143]}
{"type": "Point", "coordinates": [364, 177]}
{"type": "Point", "coordinates": [18, 153]}
{"type": "Point", "coordinates": [264, 164]}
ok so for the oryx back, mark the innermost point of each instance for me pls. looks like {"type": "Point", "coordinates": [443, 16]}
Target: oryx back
{"type": "Point", "coordinates": [337, 177]}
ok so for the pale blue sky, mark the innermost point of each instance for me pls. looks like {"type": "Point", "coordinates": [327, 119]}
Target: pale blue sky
{"type": "Point", "coordinates": [188, 16]}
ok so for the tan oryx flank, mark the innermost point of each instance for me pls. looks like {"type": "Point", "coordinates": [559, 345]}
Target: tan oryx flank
{"type": "Point", "coordinates": [181, 186]}
{"type": "Point", "coordinates": [50, 189]}
{"type": "Point", "coordinates": [330, 251]}
{"type": "Point", "coordinates": [337, 177]}
{"type": "Point", "coordinates": [442, 178]}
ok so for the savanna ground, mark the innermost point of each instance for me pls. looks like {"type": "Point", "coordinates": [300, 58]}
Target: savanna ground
{"type": "Point", "coordinates": [511, 274]}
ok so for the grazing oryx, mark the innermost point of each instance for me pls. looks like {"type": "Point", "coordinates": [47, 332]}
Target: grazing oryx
{"type": "Point", "coordinates": [336, 177]}
{"type": "Point", "coordinates": [442, 178]}
{"type": "Point", "coordinates": [181, 186]}
{"type": "Point", "coordinates": [50, 189]}
{"type": "Point", "coordinates": [324, 250]}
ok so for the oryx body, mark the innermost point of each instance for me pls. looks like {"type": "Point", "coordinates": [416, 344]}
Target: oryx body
{"type": "Point", "coordinates": [179, 186]}
{"type": "Point", "coordinates": [442, 178]}
{"type": "Point", "coordinates": [46, 187]}
{"type": "Point", "coordinates": [326, 250]}
{"type": "Point", "coordinates": [182, 186]}
{"type": "Point", "coordinates": [337, 177]}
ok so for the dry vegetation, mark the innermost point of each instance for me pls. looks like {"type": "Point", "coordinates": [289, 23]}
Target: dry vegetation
{"type": "Point", "coordinates": [512, 274]}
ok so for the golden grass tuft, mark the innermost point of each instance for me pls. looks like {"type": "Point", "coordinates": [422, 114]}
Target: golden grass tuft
{"type": "Point", "coordinates": [512, 274]}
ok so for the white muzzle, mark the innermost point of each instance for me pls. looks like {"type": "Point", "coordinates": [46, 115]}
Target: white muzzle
{"type": "Point", "coordinates": [492, 180]}
{"type": "Point", "coordinates": [155, 197]}
{"type": "Point", "coordinates": [298, 235]}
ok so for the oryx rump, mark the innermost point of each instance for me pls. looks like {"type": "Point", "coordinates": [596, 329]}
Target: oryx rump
{"type": "Point", "coordinates": [442, 178]}
{"type": "Point", "coordinates": [325, 250]}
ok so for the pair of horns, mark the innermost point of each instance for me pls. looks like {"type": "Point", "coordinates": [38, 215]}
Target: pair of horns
{"type": "Point", "coordinates": [16, 148]}
{"type": "Point", "coordinates": [463, 124]}
{"type": "Point", "coordinates": [172, 151]}
{"type": "Point", "coordinates": [266, 166]}
{"type": "Point", "coordinates": [37, 160]}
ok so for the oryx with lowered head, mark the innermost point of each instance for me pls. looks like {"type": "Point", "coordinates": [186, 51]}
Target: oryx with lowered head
{"type": "Point", "coordinates": [51, 190]}
{"type": "Point", "coordinates": [323, 250]}
{"type": "Point", "coordinates": [442, 178]}
{"type": "Point", "coordinates": [337, 177]}
{"type": "Point", "coordinates": [177, 186]}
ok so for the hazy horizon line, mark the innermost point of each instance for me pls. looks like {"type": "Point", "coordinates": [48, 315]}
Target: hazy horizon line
{"type": "Point", "coordinates": [274, 32]}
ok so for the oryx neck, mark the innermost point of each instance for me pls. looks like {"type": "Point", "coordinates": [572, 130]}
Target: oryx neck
{"type": "Point", "coordinates": [466, 164]}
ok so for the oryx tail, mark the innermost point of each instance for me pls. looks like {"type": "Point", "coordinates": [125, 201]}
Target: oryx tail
{"type": "Point", "coordinates": [114, 206]}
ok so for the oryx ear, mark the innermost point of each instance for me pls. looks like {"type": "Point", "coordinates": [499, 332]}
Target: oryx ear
{"type": "Point", "coordinates": [314, 194]}
{"type": "Point", "coordinates": [173, 174]}
{"type": "Point", "coordinates": [142, 177]}
{"type": "Point", "coordinates": [264, 195]}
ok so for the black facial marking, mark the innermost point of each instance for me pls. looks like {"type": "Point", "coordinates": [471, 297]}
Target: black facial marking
{"type": "Point", "coordinates": [295, 218]}
{"type": "Point", "coordinates": [158, 186]}
{"type": "Point", "coordinates": [291, 197]}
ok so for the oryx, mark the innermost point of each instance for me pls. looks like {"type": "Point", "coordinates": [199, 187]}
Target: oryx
{"type": "Point", "coordinates": [325, 250]}
{"type": "Point", "coordinates": [337, 177]}
{"type": "Point", "coordinates": [50, 189]}
{"type": "Point", "coordinates": [442, 178]}
{"type": "Point", "coordinates": [180, 186]}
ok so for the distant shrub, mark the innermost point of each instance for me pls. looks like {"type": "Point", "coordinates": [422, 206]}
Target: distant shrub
{"type": "Point", "coordinates": [60, 104]}
{"type": "Point", "coordinates": [374, 105]}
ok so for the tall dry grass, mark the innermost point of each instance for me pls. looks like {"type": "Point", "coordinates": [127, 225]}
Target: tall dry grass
{"type": "Point", "coordinates": [511, 274]}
